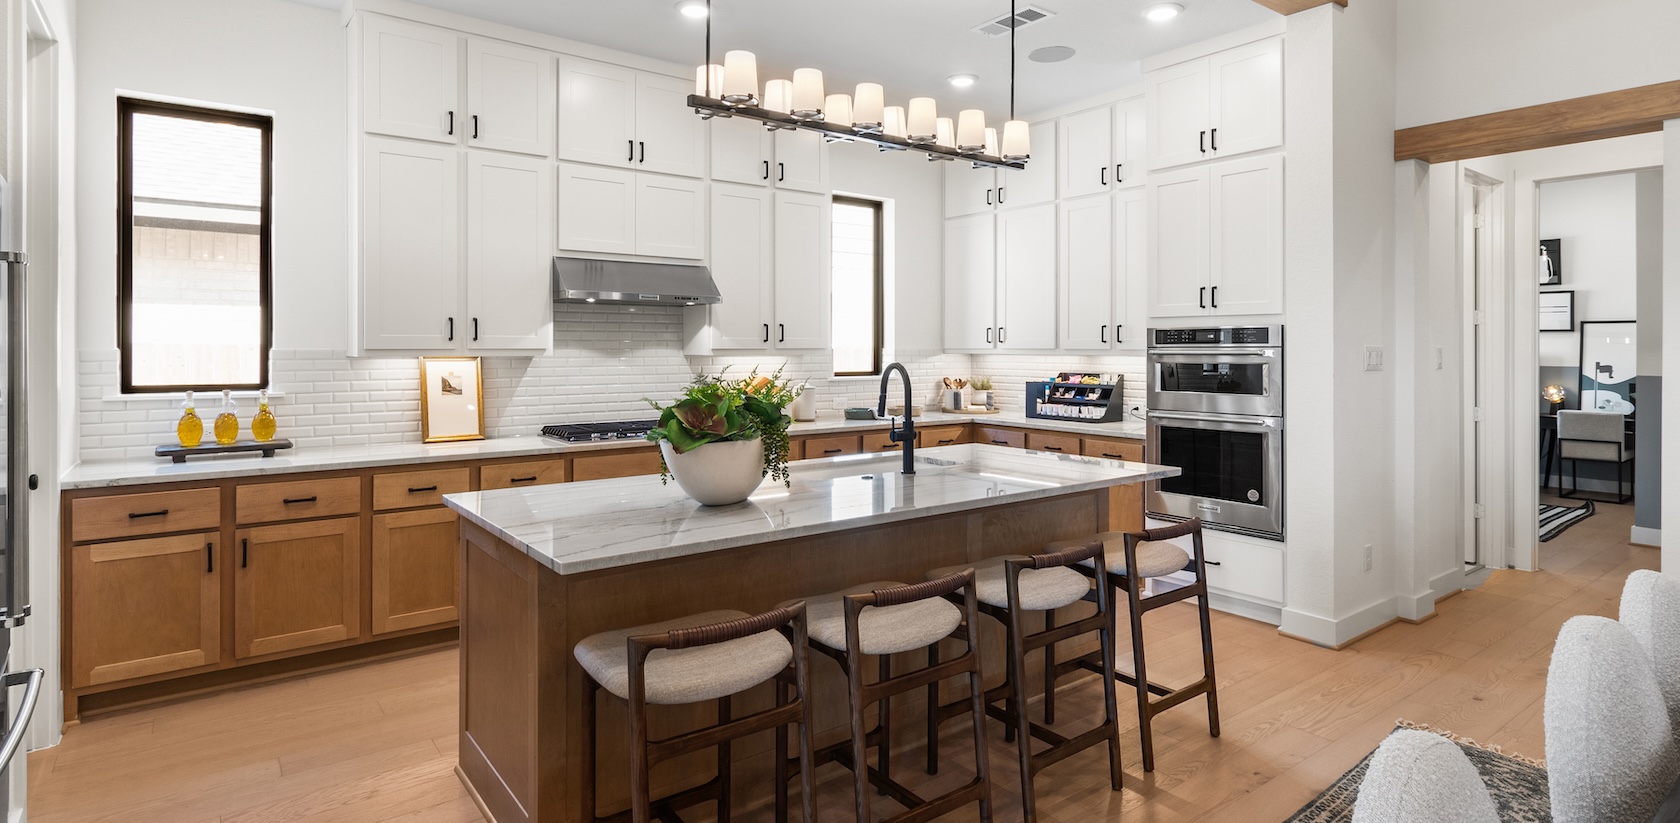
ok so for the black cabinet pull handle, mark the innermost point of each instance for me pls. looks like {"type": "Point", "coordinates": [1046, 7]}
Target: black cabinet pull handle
{"type": "Point", "coordinates": [1105, 333]}
{"type": "Point", "coordinates": [530, 479]}
{"type": "Point", "coordinates": [419, 489]}
{"type": "Point", "coordinates": [1000, 442]}
{"type": "Point", "coordinates": [781, 333]}
{"type": "Point", "coordinates": [1000, 194]}
{"type": "Point", "coordinates": [244, 553]}
{"type": "Point", "coordinates": [766, 332]}
{"type": "Point", "coordinates": [1103, 175]}
{"type": "Point", "coordinates": [475, 127]}
{"type": "Point", "coordinates": [1117, 328]}
{"type": "Point", "coordinates": [631, 144]}
{"type": "Point", "coordinates": [209, 558]}
{"type": "Point", "coordinates": [1201, 297]}
{"type": "Point", "coordinates": [1213, 142]}
{"type": "Point", "coordinates": [890, 446]}
{"type": "Point", "coordinates": [1215, 296]}
{"type": "Point", "coordinates": [831, 451]}
{"type": "Point", "coordinates": [1117, 168]}
{"type": "Point", "coordinates": [138, 515]}
{"type": "Point", "coordinates": [781, 172]}
{"type": "Point", "coordinates": [767, 170]}
{"type": "Point", "coordinates": [1203, 141]}
{"type": "Point", "coordinates": [947, 441]}
{"type": "Point", "coordinates": [451, 329]}
{"type": "Point", "coordinates": [1002, 335]}
{"type": "Point", "coordinates": [1212, 562]}
{"type": "Point", "coordinates": [989, 197]}
{"type": "Point", "coordinates": [1053, 448]}
{"type": "Point", "coordinates": [475, 330]}
{"type": "Point", "coordinates": [988, 335]}
{"type": "Point", "coordinates": [641, 148]}
{"type": "Point", "coordinates": [451, 123]}
{"type": "Point", "coordinates": [1112, 456]}
{"type": "Point", "coordinates": [292, 501]}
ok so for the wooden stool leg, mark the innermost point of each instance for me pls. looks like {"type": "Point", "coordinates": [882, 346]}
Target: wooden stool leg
{"type": "Point", "coordinates": [1207, 663]}
{"type": "Point", "coordinates": [640, 798]}
{"type": "Point", "coordinates": [807, 763]}
{"type": "Point", "coordinates": [781, 775]}
{"type": "Point", "coordinates": [1009, 703]}
{"type": "Point", "coordinates": [977, 715]}
{"type": "Point", "coordinates": [1049, 672]}
{"type": "Point", "coordinates": [1018, 716]}
{"type": "Point", "coordinates": [860, 741]}
{"type": "Point", "coordinates": [1134, 612]}
{"type": "Point", "coordinates": [883, 752]}
{"type": "Point", "coordinates": [1111, 711]}
{"type": "Point", "coordinates": [933, 714]}
{"type": "Point", "coordinates": [723, 764]}
{"type": "Point", "coordinates": [591, 690]}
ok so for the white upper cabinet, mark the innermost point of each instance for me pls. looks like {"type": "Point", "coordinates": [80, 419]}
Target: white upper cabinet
{"type": "Point", "coordinates": [802, 271]}
{"type": "Point", "coordinates": [410, 245]}
{"type": "Point", "coordinates": [1216, 239]}
{"type": "Point", "coordinates": [1178, 243]}
{"type": "Point", "coordinates": [1227, 104]}
{"type": "Point", "coordinates": [801, 161]}
{"type": "Point", "coordinates": [1026, 273]}
{"type": "Point", "coordinates": [741, 263]}
{"type": "Point", "coordinates": [1087, 273]}
{"type": "Point", "coordinates": [742, 151]}
{"type": "Point", "coordinates": [509, 302]}
{"type": "Point", "coordinates": [670, 217]}
{"type": "Point", "coordinates": [410, 80]}
{"type": "Point", "coordinates": [510, 98]}
{"type": "Point", "coordinates": [970, 283]}
{"type": "Point", "coordinates": [1087, 141]}
{"type": "Point", "coordinates": [969, 190]}
{"type": "Point", "coordinates": [614, 116]}
{"type": "Point", "coordinates": [1131, 261]}
{"type": "Point", "coordinates": [613, 211]}
{"type": "Point", "coordinates": [1036, 183]}
{"type": "Point", "coordinates": [1131, 144]}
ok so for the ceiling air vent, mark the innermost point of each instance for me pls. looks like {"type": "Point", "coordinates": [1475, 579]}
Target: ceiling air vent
{"type": "Point", "coordinates": [1023, 16]}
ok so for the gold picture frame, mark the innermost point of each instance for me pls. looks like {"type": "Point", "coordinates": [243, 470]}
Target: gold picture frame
{"type": "Point", "coordinates": [451, 399]}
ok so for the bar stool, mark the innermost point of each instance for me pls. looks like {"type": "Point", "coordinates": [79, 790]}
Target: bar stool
{"type": "Point", "coordinates": [882, 619]}
{"type": "Point", "coordinates": [1151, 556]}
{"type": "Point", "coordinates": [1007, 587]}
{"type": "Point", "coordinates": [695, 659]}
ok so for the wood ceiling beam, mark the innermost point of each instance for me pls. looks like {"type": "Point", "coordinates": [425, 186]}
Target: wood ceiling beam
{"type": "Point", "coordinates": [1292, 6]}
{"type": "Point", "coordinates": [1595, 117]}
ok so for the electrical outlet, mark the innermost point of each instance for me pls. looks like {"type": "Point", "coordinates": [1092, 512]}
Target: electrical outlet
{"type": "Point", "coordinates": [1367, 557]}
{"type": "Point", "coordinates": [1373, 358]}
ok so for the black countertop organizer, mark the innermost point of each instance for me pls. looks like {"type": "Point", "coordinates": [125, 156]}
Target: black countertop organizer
{"type": "Point", "coordinates": [1068, 397]}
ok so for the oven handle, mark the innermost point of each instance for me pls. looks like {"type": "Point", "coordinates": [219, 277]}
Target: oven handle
{"type": "Point", "coordinates": [1237, 419]}
{"type": "Point", "coordinates": [1215, 352]}
{"type": "Point", "coordinates": [26, 710]}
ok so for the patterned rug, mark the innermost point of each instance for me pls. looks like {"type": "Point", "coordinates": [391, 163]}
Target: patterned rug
{"type": "Point", "coordinates": [1517, 784]}
{"type": "Point", "coordinates": [1554, 519]}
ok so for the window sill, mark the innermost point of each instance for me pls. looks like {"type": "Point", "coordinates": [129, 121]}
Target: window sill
{"type": "Point", "coordinates": [177, 397]}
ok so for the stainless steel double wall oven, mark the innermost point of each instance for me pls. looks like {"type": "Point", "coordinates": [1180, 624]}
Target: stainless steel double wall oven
{"type": "Point", "coordinates": [1216, 412]}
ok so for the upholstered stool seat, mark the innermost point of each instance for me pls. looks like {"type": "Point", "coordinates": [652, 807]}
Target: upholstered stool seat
{"type": "Point", "coordinates": [881, 629]}
{"type": "Point", "coordinates": [692, 675]}
{"type": "Point", "coordinates": [1041, 589]}
{"type": "Point", "coordinates": [1157, 559]}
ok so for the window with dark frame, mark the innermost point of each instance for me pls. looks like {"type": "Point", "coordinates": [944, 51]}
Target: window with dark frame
{"type": "Point", "coordinates": [858, 275]}
{"type": "Point", "coordinates": [194, 229]}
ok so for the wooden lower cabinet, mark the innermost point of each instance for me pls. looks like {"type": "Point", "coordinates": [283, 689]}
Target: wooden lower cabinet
{"type": "Point", "coordinates": [416, 567]}
{"type": "Point", "coordinates": [881, 442]}
{"type": "Point", "coordinates": [1114, 449]}
{"type": "Point", "coordinates": [296, 585]}
{"type": "Point", "coordinates": [626, 463]}
{"type": "Point", "coordinates": [1053, 442]}
{"type": "Point", "coordinates": [140, 608]}
{"type": "Point", "coordinates": [523, 473]}
{"type": "Point", "coordinates": [1000, 437]}
{"type": "Point", "coordinates": [833, 445]}
{"type": "Point", "coordinates": [933, 436]}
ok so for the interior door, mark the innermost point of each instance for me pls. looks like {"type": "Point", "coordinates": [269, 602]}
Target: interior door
{"type": "Point", "coordinates": [596, 209]}
{"type": "Point", "coordinates": [1246, 208]}
{"type": "Point", "coordinates": [1178, 243]}
{"type": "Point", "coordinates": [802, 271]}
{"type": "Point", "coordinates": [1246, 106]}
{"type": "Point", "coordinates": [670, 217]}
{"type": "Point", "coordinates": [510, 97]}
{"type": "Point", "coordinates": [410, 245]}
{"type": "Point", "coordinates": [1086, 139]}
{"type": "Point", "coordinates": [1026, 262]}
{"type": "Point", "coordinates": [1086, 245]}
{"type": "Point", "coordinates": [1178, 114]}
{"type": "Point", "coordinates": [410, 76]}
{"type": "Point", "coordinates": [970, 283]}
{"type": "Point", "coordinates": [509, 303]}
{"type": "Point", "coordinates": [741, 263]}
{"type": "Point", "coordinates": [741, 151]}
{"type": "Point", "coordinates": [596, 120]}
{"type": "Point", "coordinates": [670, 139]}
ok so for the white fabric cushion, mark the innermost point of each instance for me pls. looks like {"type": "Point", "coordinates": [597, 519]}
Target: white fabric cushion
{"type": "Point", "coordinates": [1651, 611]}
{"type": "Point", "coordinates": [693, 675]}
{"type": "Point", "coordinates": [1155, 559]}
{"type": "Point", "coordinates": [1418, 777]}
{"type": "Point", "coordinates": [1610, 754]}
{"type": "Point", "coordinates": [881, 630]}
{"type": "Point", "coordinates": [1041, 589]}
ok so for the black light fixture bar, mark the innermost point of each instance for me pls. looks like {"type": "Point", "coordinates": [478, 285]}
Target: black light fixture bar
{"type": "Point", "coordinates": [710, 106]}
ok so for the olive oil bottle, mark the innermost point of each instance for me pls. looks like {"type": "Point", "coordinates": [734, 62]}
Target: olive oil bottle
{"type": "Point", "coordinates": [190, 430]}
{"type": "Point", "coordinates": [262, 426]}
{"type": "Point", "coordinates": [227, 423]}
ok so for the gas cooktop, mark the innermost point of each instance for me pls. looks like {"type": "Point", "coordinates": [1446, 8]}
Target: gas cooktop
{"type": "Point", "coordinates": [585, 432]}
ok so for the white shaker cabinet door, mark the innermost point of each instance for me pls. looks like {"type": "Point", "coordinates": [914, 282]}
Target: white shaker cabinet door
{"type": "Point", "coordinates": [1131, 144]}
{"type": "Point", "coordinates": [1088, 275]}
{"type": "Point", "coordinates": [596, 209]}
{"type": "Point", "coordinates": [1131, 269]}
{"type": "Point", "coordinates": [1178, 114]}
{"type": "Point", "coordinates": [1036, 183]}
{"type": "Point", "coordinates": [670, 137]}
{"type": "Point", "coordinates": [970, 283]}
{"type": "Point", "coordinates": [1086, 141]}
{"type": "Point", "coordinates": [1246, 106]}
{"type": "Point", "coordinates": [741, 263]}
{"type": "Point", "coordinates": [801, 162]}
{"type": "Point", "coordinates": [509, 302]}
{"type": "Point", "coordinates": [670, 217]}
{"type": "Point", "coordinates": [410, 77]}
{"type": "Point", "coordinates": [1246, 246]}
{"type": "Point", "coordinates": [1178, 243]}
{"type": "Point", "coordinates": [802, 271]}
{"type": "Point", "coordinates": [596, 120]}
{"type": "Point", "coordinates": [410, 245]}
{"type": "Point", "coordinates": [1026, 260]}
{"type": "Point", "coordinates": [741, 151]}
{"type": "Point", "coordinates": [510, 98]}
{"type": "Point", "coordinates": [969, 190]}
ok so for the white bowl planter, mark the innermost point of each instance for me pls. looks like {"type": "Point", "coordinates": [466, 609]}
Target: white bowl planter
{"type": "Point", "coordinates": [717, 474]}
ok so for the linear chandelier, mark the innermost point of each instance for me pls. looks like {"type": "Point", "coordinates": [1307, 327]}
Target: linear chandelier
{"type": "Point", "coordinates": [731, 90]}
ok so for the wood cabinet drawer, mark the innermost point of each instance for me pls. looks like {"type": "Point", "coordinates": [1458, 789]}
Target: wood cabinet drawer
{"type": "Point", "coordinates": [1114, 449]}
{"type": "Point", "coordinates": [933, 436]}
{"type": "Point", "coordinates": [1013, 438]}
{"type": "Point", "coordinates": [624, 463]}
{"type": "Point", "coordinates": [526, 473]}
{"type": "Point", "coordinates": [1238, 565]}
{"type": "Point", "coordinates": [832, 445]}
{"type": "Point", "coordinates": [407, 490]}
{"type": "Point", "coordinates": [880, 442]}
{"type": "Point", "coordinates": [298, 500]}
{"type": "Point", "coordinates": [132, 515]}
{"type": "Point", "coordinates": [1045, 441]}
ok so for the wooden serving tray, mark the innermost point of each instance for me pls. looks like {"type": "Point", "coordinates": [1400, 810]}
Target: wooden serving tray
{"type": "Point", "coordinates": [179, 454]}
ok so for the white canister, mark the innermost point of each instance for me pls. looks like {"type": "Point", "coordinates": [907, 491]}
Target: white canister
{"type": "Point", "coordinates": [954, 399]}
{"type": "Point", "coordinates": [804, 407]}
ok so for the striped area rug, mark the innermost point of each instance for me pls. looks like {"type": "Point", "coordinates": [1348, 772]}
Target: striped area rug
{"type": "Point", "coordinates": [1555, 519]}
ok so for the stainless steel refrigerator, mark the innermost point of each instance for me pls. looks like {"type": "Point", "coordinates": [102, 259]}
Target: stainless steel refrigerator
{"type": "Point", "coordinates": [14, 509]}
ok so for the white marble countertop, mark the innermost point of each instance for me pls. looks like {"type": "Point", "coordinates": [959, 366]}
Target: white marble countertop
{"type": "Point", "coordinates": [581, 527]}
{"type": "Point", "coordinates": [113, 473]}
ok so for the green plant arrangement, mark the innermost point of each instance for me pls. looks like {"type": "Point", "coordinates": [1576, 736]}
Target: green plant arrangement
{"type": "Point", "coordinates": [715, 408]}
{"type": "Point", "coordinates": [980, 383]}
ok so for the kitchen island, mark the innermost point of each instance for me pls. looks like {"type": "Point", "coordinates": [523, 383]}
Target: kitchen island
{"type": "Point", "coordinates": [544, 567]}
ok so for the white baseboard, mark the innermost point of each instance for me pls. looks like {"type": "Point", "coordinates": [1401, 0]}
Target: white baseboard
{"type": "Point", "coordinates": [1331, 633]}
{"type": "Point", "coordinates": [1245, 608]}
{"type": "Point", "coordinates": [1642, 536]}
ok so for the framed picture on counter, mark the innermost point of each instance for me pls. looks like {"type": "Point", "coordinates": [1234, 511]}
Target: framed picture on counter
{"type": "Point", "coordinates": [451, 399]}
{"type": "Point", "coordinates": [1557, 311]}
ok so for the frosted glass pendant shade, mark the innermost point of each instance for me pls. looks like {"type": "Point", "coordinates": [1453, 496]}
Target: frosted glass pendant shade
{"type": "Point", "coordinates": [837, 109]}
{"type": "Point", "coordinates": [740, 78]}
{"type": "Point", "coordinates": [992, 142]}
{"type": "Point", "coordinates": [807, 94]}
{"type": "Point", "coordinates": [867, 107]}
{"type": "Point", "coordinates": [1016, 145]}
{"type": "Point", "coordinates": [778, 96]}
{"type": "Point", "coordinates": [945, 133]}
{"type": "Point", "coordinates": [892, 122]}
{"type": "Point", "coordinates": [921, 119]}
{"type": "Point", "coordinates": [971, 131]}
{"type": "Point", "coordinates": [708, 80]}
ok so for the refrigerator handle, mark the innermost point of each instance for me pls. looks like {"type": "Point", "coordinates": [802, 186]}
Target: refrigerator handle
{"type": "Point", "coordinates": [26, 710]}
{"type": "Point", "coordinates": [16, 605]}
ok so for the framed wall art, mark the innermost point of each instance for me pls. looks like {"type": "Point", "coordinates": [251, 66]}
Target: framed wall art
{"type": "Point", "coordinates": [1551, 262]}
{"type": "Point", "coordinates": [451, 399]}
{"type": "Point", "coordinates": [1557, 311]}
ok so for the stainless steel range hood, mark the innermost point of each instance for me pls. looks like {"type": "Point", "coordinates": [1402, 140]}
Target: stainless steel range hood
{"type": "Point", "coordinates": [577, 280]}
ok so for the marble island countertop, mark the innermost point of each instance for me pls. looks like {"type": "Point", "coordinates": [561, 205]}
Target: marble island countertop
{"type": "Point", "coordinates": [574, 528]}
{"type": "Point", "coordinates": [113, 473]}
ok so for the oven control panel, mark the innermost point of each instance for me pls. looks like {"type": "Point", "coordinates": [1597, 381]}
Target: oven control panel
{"type": "Point", "coordinates": [1227, 336]}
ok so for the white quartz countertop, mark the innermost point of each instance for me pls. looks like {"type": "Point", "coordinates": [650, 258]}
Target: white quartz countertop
{"type": "Point", "coordinates": [112, 473]}
{"type": "Point", "coordinates": [581, 527]}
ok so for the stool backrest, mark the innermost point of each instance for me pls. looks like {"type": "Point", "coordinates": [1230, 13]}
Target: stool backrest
{"type": "Point", "coordinates": [1596, 426]}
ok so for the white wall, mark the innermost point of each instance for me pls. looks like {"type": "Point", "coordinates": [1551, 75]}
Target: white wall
{"type": "Point", "coordinates": [272, 55]}
{"type": "Point", "coordinates": [1597, 222]}
{"type": "Point", "coordinates": [1458, 58]}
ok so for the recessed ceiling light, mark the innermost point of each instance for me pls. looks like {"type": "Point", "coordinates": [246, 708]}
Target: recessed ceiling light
{"type": "Point", "coordinates": [692, 8]}
{"type": "Point", "coordinates": [1050, 54]}
{"type": "Point", "coordinates": [962, 81]}
{"type": "Point", "coordinates": [1162, 12]}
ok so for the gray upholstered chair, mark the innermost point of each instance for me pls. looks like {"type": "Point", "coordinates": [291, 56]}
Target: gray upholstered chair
{"type": "Point", "coordinates": [1610, 751]}
{"type": "Point", "coordinates": [1596, 437]}
{"type": "Point", "coordinates": [1651, 611]}
{"type": "Point", "coordinates": [1418, 777]}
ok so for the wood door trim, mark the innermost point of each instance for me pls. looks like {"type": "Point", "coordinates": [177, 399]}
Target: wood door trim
{"type": "Point", "coordinates": [1292, 6]}
{"type": "Point", "coordinates": [1637, 110]}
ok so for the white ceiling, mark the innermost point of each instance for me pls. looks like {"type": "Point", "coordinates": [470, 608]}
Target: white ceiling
{"type": "Point", "coordinates": [910, 46]}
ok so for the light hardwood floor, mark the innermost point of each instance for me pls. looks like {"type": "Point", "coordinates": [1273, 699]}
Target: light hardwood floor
{"type": "Point", "coordinates": [377, 742]}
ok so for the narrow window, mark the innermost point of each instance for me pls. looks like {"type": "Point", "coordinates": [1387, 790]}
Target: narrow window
{"type": "Point", "coordinates": [194, 198]}
{"type": "Point", "coordinates": [856, 281]}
